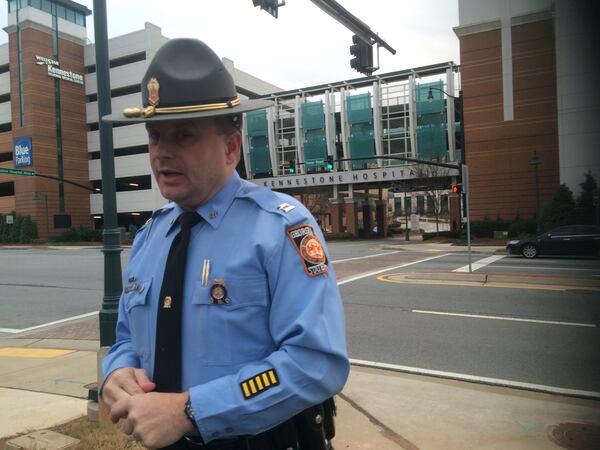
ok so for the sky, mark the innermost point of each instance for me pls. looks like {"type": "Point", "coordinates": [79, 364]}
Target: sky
{"type": "Point", "coordinates": [304, 46]}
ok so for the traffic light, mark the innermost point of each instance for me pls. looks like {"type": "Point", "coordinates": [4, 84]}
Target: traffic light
{"type": "Point", "coordinates": [329, 163]}
{"type": "Point", "coordinates": [292, 166]}
{"type": "Point", "coordinates": [270, 6]}
{"type": "Point", "coordinates": [456, 188]}
{"type": "Point", "coordinates": [362, 53]}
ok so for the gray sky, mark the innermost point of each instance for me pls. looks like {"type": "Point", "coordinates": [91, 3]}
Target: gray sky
{"type": "Point", "coordinates": [304, 46]}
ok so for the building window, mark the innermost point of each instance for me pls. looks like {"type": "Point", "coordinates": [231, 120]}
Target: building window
{"type": "Point", "coordinates": [126, 184]}
{"type": "Point", "coordinates": [7, 189]}
{"type": "Point", "coordinates": [133, 89]}
{"type": "Point", "coordinates": [61, 11]}
{"type": "Point", "coordinates": [46, 6]}
{"type": "Point", "coordinates": [4, 157]}
{"type": "Point", "coordinates": [420, 204]}
{"type": "Point", "coordinates": [79, 19]}
{"type": "Point", "coordinates": [125, 151]}
{"type": "Point", "coordinates": [129, 59]}
{"type": "Point", "coordinates": [4, 68]}
{"type": "Point", "coordinates": [4, 127]}
{"type": "Point", "coordinates": [4, 98]}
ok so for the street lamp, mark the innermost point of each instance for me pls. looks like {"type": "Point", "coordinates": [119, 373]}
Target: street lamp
{"type": "Point", "coordinates": [36, 196]}
{"type": "Point", "coordinates": [535, 162]}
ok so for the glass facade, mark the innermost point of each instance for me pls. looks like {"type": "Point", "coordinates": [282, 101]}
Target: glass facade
{"type": "Point", "coordinates": [62, 11]}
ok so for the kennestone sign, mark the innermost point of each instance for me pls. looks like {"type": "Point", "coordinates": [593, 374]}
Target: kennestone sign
{"type": "Point", "coordinates": [351, 177]}
{"type": "Point", "coordinates": [55, 71]}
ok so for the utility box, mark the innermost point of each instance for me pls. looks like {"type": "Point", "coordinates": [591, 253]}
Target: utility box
{"type": "Point", "coordinates": [41, 440]}
{"type": "Point", "coordinates": [500, 235]}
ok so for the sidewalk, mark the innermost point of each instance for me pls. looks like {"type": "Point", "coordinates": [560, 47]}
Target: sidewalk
{"type": "Point", "coordinates": [378, 409]}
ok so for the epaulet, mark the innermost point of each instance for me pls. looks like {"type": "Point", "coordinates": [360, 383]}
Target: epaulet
{"type": "Point", "coordinates": [162, 210]}
{"type": "Point", "coordinates": [275, 202]}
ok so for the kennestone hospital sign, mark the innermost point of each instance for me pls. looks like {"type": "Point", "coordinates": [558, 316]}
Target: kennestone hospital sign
{"type": "Point", "coordinates": [55, 71]}
{"type": "Point", "coordinates": [352, 177]}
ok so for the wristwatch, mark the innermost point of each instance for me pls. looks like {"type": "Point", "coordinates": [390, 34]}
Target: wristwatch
{"type": "Point", "coordinates": [189, 413]}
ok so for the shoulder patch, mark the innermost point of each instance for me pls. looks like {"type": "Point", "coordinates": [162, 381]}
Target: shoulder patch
{"type": "Point", "coordinates": [310, 249]}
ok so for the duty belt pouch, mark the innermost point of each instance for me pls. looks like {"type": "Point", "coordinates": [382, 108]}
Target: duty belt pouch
{"type": "Point", "coordinates": [310, 425]}
{"type": "Point", "coordinates": [330, 411]}
{"type": "Point", "coordinates": [284, 436]}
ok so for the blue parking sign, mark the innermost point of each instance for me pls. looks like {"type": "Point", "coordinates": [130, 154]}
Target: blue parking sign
{"type": "Point", "coordinates": [23, 151]}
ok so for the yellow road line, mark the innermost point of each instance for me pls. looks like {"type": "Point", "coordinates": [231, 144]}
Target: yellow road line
{"type": "Point", "coordinates": [472, 284]}
{"type": "Point", "coordinates": [25, 352]}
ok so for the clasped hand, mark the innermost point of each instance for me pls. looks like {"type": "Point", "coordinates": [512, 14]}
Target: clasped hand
{"type": "Point", "coordinates": [154, 419]}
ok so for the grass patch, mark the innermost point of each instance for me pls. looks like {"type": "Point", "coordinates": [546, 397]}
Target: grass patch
{"type": "Point", "coordinates": [93, 436]}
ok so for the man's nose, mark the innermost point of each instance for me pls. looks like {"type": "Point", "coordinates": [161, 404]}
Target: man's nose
{"type": "Point", "coordinates": [163, 149]}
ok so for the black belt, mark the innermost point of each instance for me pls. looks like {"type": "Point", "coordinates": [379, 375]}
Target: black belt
{"type": "Point", "coordinates": [259, 442]}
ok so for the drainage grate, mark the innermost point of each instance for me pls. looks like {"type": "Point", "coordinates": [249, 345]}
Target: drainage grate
{"type": "Point", "coordinates": [575, 436]}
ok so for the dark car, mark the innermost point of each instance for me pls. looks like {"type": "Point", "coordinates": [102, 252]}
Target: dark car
{"type": "Point", "coordinates": [569, 240]}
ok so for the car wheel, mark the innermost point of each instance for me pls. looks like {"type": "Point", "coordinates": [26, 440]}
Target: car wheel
{"type": "Point", "coordinates": [529, 251]}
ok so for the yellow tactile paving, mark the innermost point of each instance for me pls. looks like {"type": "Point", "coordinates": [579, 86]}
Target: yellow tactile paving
{"type": "Point", "coordinates": [24, 352]}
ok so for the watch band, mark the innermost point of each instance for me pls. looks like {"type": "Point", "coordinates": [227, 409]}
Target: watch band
{"type": "Point", "coordinates": [189, 413]}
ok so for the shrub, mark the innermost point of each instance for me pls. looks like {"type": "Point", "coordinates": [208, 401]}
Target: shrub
{"type": "Point", "coordinates": [22, 230]}
{"type": "Point", "coordinates": [80, 234]}
{"type": "Point", "coordinates": [28, 231]}
{"type": "Point", "coordinates": [448, 234]}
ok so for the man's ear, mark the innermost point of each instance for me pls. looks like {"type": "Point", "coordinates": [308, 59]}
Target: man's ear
{"type": "Point", "coordinates": [234, 145]}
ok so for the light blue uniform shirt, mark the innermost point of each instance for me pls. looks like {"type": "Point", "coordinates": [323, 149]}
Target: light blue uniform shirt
{"type": "Point", "coordinates": [276, 347]}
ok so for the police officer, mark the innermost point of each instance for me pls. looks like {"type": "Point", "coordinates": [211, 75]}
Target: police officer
{"type": "Point", "coordinates": [231, 331]}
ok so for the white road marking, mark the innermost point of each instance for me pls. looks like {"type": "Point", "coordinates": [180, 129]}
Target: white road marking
{"type": "Point", "coordinates": [68, 319]}
{"type": "Point", "coordinates": [477, 379]}
{"type": "Point", "coordinates": [513, 319]}
{"type": "Point", "coordinates": [479, 264]}
{"type": "Point", "coordinates": [377, 272]}
{"type": "Point", "coordinates": [364, 257]}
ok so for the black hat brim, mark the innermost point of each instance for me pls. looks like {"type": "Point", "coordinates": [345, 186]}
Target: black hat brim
{"type": "Point", "coordinates": [244, 106]}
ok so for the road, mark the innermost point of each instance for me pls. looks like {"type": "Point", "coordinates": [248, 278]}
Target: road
{"type": "Point", "coordinates": [512, 334]}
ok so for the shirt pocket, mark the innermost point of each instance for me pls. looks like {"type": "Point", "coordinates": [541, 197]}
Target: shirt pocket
{"type": "Point", "coordinates": [139, 313]}
{"type": "Point", "coordinates": [235, 332]}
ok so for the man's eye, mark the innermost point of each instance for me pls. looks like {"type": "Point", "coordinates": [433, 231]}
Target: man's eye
{"type": "Point", "coordinates": [182, 135]}
{"type": "Point", "coordinates": [152, 136]}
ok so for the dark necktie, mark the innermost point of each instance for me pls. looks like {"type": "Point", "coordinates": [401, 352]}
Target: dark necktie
{"type": "Point", "coordinates": [167, 359]}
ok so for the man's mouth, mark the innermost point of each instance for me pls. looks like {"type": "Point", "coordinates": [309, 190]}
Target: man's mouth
{"type": "Point", "coordinates": [169, 174]}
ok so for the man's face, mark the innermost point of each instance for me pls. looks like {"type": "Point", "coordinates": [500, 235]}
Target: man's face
{"type": "Point", "coordinates": [191, 160]}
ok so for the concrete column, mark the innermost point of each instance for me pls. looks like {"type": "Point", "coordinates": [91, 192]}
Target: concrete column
{"type": "Point", "coordinates": [336, 209]}
{"type": "Point", "coordinates": [351, 216]}
{"type": "Point", "coordinates": [367, 211]}
{"type": "Point", "coordinates": [381, 217]}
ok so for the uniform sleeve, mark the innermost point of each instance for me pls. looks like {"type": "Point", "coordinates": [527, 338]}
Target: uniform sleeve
{"type": "Point", "coordinates": [310, 364]}
{"type": "Point", "coordinates": [122, 354]}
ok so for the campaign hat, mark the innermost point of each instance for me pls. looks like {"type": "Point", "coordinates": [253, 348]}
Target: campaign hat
{"type": "Point", "coordinates": [186, 80]}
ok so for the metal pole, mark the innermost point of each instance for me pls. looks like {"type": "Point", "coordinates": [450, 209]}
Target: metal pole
{"type": "Point", "coordinates": [465, 179]}
{"type": "Point", "coordinates": [112, 237]}
{"type": "Point", "coordinates": [47, 219]}
{"type": "Point", "coordinates": [535, 162]}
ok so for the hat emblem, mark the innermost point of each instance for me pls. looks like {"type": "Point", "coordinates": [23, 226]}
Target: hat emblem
{"type": "Point", "coordinates": [153, 88]}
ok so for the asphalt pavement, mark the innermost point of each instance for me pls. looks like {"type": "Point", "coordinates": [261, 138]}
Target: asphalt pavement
{"type": "Point", "coordinates": [43, 374]}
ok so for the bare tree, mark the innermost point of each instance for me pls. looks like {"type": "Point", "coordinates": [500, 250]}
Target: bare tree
{"type": "Point", "coordinates": [433, 179]}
